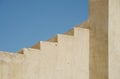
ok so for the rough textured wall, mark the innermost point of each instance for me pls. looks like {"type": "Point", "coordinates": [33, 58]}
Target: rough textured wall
{"type": "Point", "coordinates": [73, 55]}
{"type": "Point", "coordinates": [98, 20]}
{"type": "Point", "coordinates": [65, 56]}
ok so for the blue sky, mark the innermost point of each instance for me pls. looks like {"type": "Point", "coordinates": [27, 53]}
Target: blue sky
{"type": "Point", "coordinates": [25, 22]}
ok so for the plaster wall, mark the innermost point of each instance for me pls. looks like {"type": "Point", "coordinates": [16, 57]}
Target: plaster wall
{"type": "Point", "coordinates": [98, 25]}
{"type": "Point", "coordinates": [62, 57]}
{"type": "Point", "coordinates": [114, 39]}
{"type": "Point", "coordinates": [90, 50]}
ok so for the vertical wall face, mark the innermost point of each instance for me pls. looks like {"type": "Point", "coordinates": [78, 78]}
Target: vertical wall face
{"type": "Point", "coordinates": [11, 66]}
{"type": "Point", "coordinates": [68, 58]}
{"type": "Point", "coordinates": [114, 39]}
{"type": "Point", "coordinates": [98, 17]}
{"type": "Point", "coordinates": [81, 54]}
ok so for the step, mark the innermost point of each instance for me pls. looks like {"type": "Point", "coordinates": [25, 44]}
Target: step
{"type": "Point", "coordinates": [80, 31]}
{"type": "Point", "coordinates": [65, 42]}
{"type": "Point", "coordinates": [76, 31]}
{"type": "Point", "coordinates": [21, 51]}
{"type": "Point", "coordinates": [60, 37]}
{"type": "Point", "coordinates": [8, 57]}
{"type": "Point", "coordinates": [5, 56]}
{"type": "Point", "coordinates": [26, 50]}
{"type": "Point", "coordinates": [84, 25]}
{"type": "Point", "coordinates": [44, 45]}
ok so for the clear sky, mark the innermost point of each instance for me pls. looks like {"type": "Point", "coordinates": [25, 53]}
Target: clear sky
{"type": "Point", "coordinates": [25, 22]}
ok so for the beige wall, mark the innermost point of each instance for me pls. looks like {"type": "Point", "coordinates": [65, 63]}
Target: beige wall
{"type": "Point", "coordinates": [104, 21]}
{"type": "Point", "coordinates": [65, 57]}
{"type": "Point", "coordinates": [114, 39]}
{"type": "Point", "coordinates": [98, 21]}
{"type": "Point", "coordinates": [90, 50]}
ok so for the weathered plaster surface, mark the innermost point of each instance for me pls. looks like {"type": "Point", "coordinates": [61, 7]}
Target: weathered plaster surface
{"type": "Point", "coordinates": [91, 50]}
{"type": "Point", "coordinates": [98, 21]}
{"type": "Point", "coordinates": [62, 57]}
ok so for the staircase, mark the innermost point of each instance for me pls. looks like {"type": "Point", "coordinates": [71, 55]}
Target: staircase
{"type": "Point", "coordinates": [64, 56]}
